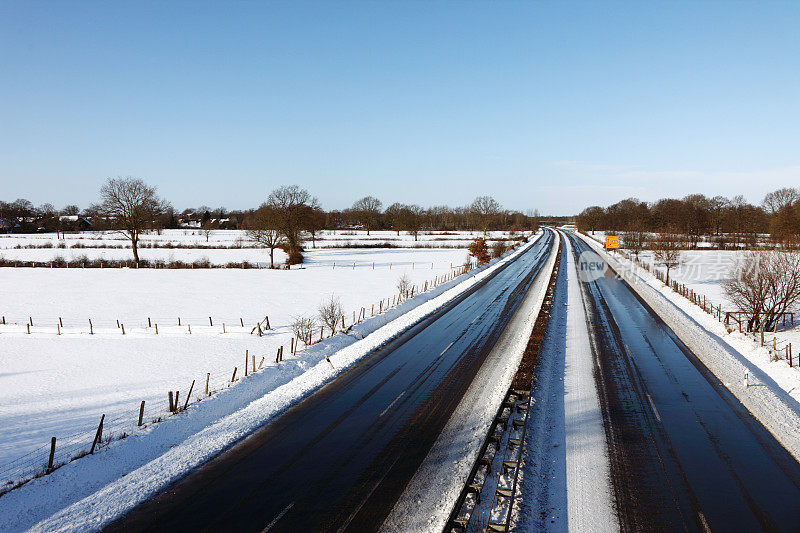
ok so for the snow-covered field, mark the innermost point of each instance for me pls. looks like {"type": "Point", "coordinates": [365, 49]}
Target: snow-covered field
{"type": "Point", "coordinates": [60, 385]}
{"type": "Point", "coordinates": [87, 493]}
{"type": "Point", "coordinates": [221, 247]}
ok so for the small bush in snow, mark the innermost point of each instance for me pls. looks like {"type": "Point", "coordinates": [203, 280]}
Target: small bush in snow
{"type": "Point", "coordinates": [303, 328]}
{"type": "Point", "coordinates": [330, 312]}
{"type": "Point", "coordinates": [403, 284]}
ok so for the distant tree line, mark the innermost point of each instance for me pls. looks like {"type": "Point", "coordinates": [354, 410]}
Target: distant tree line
{"type": "Point", "coordinates": [289, 217]}
{"type": "Point", "coordinates": [726, 222]}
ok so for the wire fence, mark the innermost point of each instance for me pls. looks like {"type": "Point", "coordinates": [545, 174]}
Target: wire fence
{"type": "Point", "coordinates": [122, 423]}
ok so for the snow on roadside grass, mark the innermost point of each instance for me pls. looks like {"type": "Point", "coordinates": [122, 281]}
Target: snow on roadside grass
{"type": "Point", "coordinates": [92, 491]}
{"type": "Point", "coordinates": [60, 385]}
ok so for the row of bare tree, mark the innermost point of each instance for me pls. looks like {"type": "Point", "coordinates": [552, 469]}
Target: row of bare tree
{"type": "Point", "coordinates": [289, 217]}
{"type": "Point", "coordinates": [727, 222]}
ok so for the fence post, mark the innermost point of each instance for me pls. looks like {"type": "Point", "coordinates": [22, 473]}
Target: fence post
{"type": "Point", "coordinates": [210, 323]}
{"type": "Point", "coordinates": [52, 454]}
{"type": "Point", "coordinates": [188, 396]}
{"type": "Point", "coordinates": [141, 413]}
{"type": "Point", "coordinates": [91, 328]}
{"type": "Point", "coordinates": [208, 376]}
{"type": "Point", "coordinates": [233, 377]}
{"type": "Point", "coordinates": [171, 402]}
{"type": "Point", "coordinates": [98, 435]}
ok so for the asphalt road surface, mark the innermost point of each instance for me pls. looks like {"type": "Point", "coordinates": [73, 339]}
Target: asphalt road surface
{"type": "Point", "coordinates": [340, 459]}
{"type": "Point", "coordinates": [685, 454]}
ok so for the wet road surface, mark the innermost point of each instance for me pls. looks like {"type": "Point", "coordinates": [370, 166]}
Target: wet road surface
{"type": "Point", "coordinates": [340, 459]}
{"type": "Point", "coordinates": [685, 454]}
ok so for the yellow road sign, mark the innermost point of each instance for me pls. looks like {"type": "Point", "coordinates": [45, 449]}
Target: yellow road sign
{"type": "Point", "coordinates": [612, 241]}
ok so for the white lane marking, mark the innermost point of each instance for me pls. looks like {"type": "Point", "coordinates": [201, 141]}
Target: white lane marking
{"type": "Point", "coordinates": [391, 404]}
{"type": "Point", "coordinates": [655, 411]}
{"type": "Point", "coordinates": [275, 520]}
{"type": "Point", "coordinates": [703, 521]}
{"type": "Point", "coordinates": [448, 347]}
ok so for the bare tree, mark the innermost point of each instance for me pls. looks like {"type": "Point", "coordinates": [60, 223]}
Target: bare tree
{"type": "Point", "coordinates": [777, 200]}
{"type": "Point", "coordinates": [667, 250]}
{"type": "Point", "coordinates": [315, 222]}
{"type": "Point", "coordinates": [292, 206]}
{"type": "Point", "coordinates": [636, 239]}
{"type": "Point", "coordinates": [264, 230]}
{"type": "Point", "coordinates": [765, 285]}
{"type": "Point", "coordinates": [486, 209]}
{"type": "Point", "coordinates": [368, 210]}
{"type": "Point", "coordinates": [129, 205]}
{"type": "Point", "coordinates": [330, 312]}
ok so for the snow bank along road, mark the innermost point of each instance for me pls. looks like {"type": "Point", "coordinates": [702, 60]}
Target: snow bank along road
{"type": "Point", "coordinates": [683, 453]}
{"type": "Point", "coordinates": [340, 459]}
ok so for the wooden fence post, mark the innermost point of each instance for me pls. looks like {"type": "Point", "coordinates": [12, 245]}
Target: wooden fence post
{"type": "Point", "coordinates": [156, 329]}
{"type": "Point", "coordinates": [246, 355]}
{"type": "Point", "coordinates": [233, 377]}
{"type": "Point", "coordinates": [91, 328]}
{"type": "Point", "coordinates": [98, 435]}
{"type": "Point", "coordinates": [188, 396]}
{"type": "Point", "coordinates": [171, 402]}
{"type": "Point", "coordinates": [208, 376]}
{"type": "Point", "coordinates": [52, 454]}
{"type": "Point", "coordinates": [210, 323]}
{"type": "Point", "coordinates": [141, 413]}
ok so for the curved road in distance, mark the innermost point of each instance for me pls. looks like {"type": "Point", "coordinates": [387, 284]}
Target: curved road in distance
{"type": "Point", "coordinates": [685, 454]}
{"type": "Point", "coordinates": [338, 460]}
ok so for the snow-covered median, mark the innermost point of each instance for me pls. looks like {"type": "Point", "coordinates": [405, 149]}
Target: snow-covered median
{"type": "Point", "coordinates": [89, 493]}
{"type": "Point", "coordinates": [767, 391]}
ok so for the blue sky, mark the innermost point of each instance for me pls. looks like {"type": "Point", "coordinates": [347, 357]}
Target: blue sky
{"type": "Point", "coordinates": [543, 105]}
